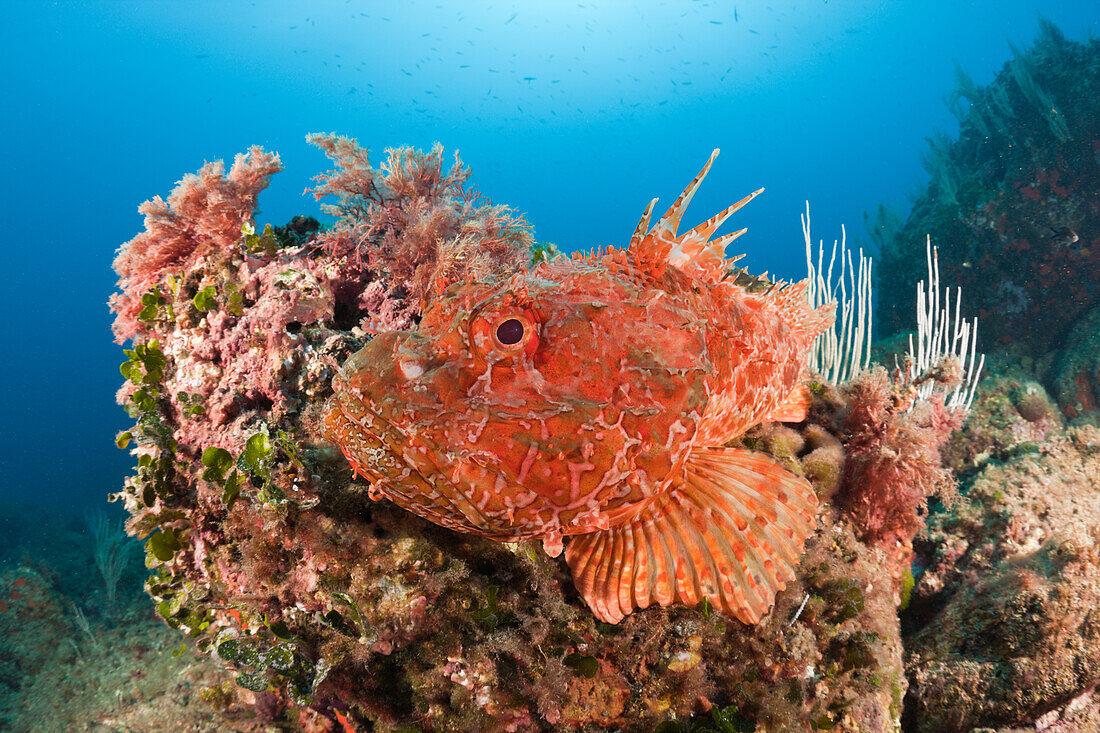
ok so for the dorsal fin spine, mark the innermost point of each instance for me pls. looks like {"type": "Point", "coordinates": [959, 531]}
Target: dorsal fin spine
{"type": "Point", "coordinates": [643, 224]}
{"type": "Point", "coordinates": [670, 222]}
{"type": "Point", "coordinates": [653, 249]}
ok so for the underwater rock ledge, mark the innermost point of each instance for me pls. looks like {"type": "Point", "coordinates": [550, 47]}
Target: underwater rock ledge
{"type": "Point", "coordinates": [1004, 624]}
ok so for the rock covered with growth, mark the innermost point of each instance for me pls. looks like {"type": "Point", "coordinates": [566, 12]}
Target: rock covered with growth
{"type": "Point", "coordinates": [1012, 202]}
{"type": "Point", "coordinates": [1076, 370]}
{"type": "Point", "coordinates": [202, 217]}
{"type": "Point", "coordinates": [1014, 414]}
{"type": "Point", "coordinates": [338, 612]}
{"type": "Point", "coordinates": [1006, 617]}
{"type": "Point", "coordinates": [32, 617]}
{"type": "Point", "coordinates": [1001, 631]}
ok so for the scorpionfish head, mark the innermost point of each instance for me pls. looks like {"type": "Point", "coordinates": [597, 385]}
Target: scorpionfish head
{"type": "Point", "coordinates": [550, 404]}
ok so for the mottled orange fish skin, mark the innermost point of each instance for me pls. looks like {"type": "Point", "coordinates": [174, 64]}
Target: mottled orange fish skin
{"type": "Point", "coordinates": [621, 373]}
{"type": "Point", "coordinates": [559, 437]}
{"type": "Point", "coordinates": [629, 360]}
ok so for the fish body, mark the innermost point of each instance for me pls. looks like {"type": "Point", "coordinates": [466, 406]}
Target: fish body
{"type": "Point", "coordinates": [590, 399]}
{"type": "Point", "coordinates": [1063, 237]}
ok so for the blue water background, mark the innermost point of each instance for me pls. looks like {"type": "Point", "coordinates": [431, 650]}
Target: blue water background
{"type": "Point", "coordinates": [575, 113]}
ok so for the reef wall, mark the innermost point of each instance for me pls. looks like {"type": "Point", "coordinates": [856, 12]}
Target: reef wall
{"type": "Point", "coordinates": [1002, 630]}
{"type": "Point", "coordinates": [1012, 204]}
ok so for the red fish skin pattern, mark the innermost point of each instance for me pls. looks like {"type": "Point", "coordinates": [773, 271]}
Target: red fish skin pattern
{"type": "Point", "coordinates": [562, 441]}
{"type": "Point", "coordinates": [628, 362]}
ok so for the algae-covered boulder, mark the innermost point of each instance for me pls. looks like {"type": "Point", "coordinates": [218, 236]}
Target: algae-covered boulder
{"type": "Point", "coordinates": [1013, 413]}
{"type": "Point", "coordinates": [1008, 610]}
{"type": "Point", "coordinates": [337, 610]}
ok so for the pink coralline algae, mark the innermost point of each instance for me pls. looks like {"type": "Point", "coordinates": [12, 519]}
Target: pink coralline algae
{"type": "Point", "coordinates": [411, 227]}
{"type": "Point", "coordinates": [202, 216]}
{"type": "Point", "coordinates": [892, 462]}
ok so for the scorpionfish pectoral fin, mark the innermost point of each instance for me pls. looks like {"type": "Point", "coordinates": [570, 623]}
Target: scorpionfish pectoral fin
{"type": "Point", "coordinates": [731, 535]}
{"type": "Point", "coordinates": [794, 406]}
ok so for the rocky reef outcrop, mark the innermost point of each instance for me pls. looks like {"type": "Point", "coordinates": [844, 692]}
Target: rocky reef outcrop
{"type": "Point", "coordinates": [336, 612]}
{"type": "Point", "coordinates": [1003, 628]}
{"type": "Point", "coordinates": [1002, 631]}
{"type": "Point", "coordinates": [1012, 204]}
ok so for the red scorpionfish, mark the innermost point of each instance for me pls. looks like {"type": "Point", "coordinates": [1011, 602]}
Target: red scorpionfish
{"type": "Point", "coordinates": [592, 398]}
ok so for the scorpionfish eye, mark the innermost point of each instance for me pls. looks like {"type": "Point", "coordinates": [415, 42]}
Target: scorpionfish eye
{"type": "Point", "coordinates": [510, 332]}
{"type": "Point", "coordinates": [506, 334]}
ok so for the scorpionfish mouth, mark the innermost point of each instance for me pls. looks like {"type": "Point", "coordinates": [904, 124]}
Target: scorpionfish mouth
{"type": "Point", "coordinates": [373, 415]}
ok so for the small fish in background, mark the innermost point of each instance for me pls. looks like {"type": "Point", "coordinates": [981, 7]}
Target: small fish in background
{"type": "Point", "coordinates": [1063, 237]}
{"type": "Point", "coordinates": [592, 398]}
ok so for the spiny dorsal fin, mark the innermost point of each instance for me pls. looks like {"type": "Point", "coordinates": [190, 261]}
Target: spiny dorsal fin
{"type": "Point", "coordinates": [790, 301]}
{"type": "Point", "coordinates": [643, 224]}
{"type": "Point", "coordinates": [731, 534]}
{"type": "Point", "coordinates": [722, 242]}
{"type": "Point", "coordinates": [691, 252]}
{"type": "Point", "coordinates": [670, 222]}
{"type": "Point", "coordinates": [708, 227]}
